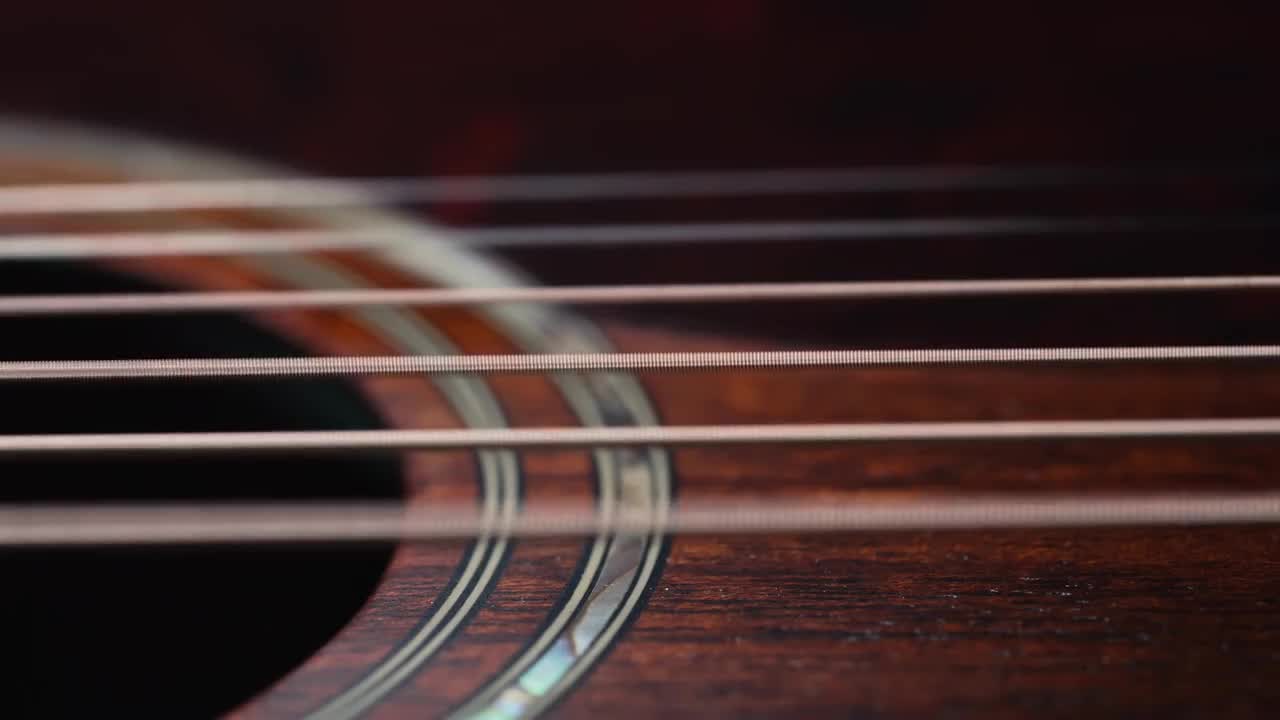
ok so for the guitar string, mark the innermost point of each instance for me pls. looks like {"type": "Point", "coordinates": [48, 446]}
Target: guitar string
{"type": "Point", "coordinates": [772, 518]}
{"type": "Point", "coordinates": [74, 246]}
{"type": "Point", "coordinates": [181, 302]}
{"type": "Point", "coordinates": [147, 196]}
{"type": "Point", "coordinates": [297, 522]}
{"type": "Point", "coordinates": [192, 368]}
{"type": "Point", "coordinates": [673, 436]}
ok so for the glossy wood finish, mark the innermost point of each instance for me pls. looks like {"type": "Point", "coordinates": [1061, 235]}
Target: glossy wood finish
{"type": "Point", "coordinates": [1118, 623]}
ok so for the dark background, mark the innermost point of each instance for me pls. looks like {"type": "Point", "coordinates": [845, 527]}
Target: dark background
{"type": "Point", "coordinates": [427, 87]}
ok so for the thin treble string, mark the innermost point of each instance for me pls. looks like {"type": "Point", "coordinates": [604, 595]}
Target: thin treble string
{"type": "Point", "coordinates": [181, 302]}
{"type": "Point", "coordinates": [41, 246]}
{"type": "Point", "coordinates": [326, 441]}
{"type": "Point", "coordinates": [277, 522]}
{"type": "Point", "coordinates": [192, 368]}
{"type": "Point", "coordinates": [147, 196]}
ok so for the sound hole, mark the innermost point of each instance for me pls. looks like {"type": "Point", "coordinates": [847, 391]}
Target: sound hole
{"type": "Point", "coordinates": [170, 632]}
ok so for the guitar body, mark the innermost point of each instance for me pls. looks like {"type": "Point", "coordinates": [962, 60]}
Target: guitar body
{"type": "Point", "coordinates": [1121, 622]}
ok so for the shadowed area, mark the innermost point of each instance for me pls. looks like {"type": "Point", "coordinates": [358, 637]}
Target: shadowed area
{"type": "Point", "coordinates": [145, 632]}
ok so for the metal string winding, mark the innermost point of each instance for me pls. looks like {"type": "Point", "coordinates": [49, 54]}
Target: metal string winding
{"type": "Point", "coordinates": [192, 368]}
{"type": "Point", "coordinates": [352, 522]}
{"type": "Point", "coordinates": [176, 302]}
{"type": "Point", "coordinates": [320, 192]}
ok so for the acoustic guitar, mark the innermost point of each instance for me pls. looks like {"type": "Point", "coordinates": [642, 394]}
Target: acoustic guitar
{"type": "Point", "coordinates": [728, 360]}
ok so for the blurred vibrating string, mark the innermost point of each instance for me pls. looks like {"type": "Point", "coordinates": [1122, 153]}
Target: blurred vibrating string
{"type": "Point", "coordinates": [351, 522]}
{"type": "Point", "coordinates": [270, 192]}
{"type": "Point", "coordinates": [78, 246]}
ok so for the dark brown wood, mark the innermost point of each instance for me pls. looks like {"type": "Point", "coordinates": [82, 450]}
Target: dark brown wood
{"type": "Point", "coordinates": [1118, 623]}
